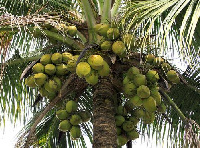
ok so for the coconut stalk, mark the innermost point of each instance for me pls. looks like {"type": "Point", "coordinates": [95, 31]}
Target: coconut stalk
{"type": "Point", "coordinates": [104, 128]}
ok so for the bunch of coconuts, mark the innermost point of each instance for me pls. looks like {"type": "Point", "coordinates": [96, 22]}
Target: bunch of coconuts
{"type": "Point", "coordinates": [70, 119]}
{"type": "Point", "coordinates": [47, 73]}
{"type": "Point", "coordinates": [91, 69]}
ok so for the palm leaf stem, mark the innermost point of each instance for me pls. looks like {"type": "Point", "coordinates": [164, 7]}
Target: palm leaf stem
{"type": "Point", "coordinates": [106, 15]}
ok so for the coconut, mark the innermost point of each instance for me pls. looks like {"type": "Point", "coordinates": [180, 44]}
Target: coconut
{"type": "Point", "coordinates": [119, 120]}
{"type": "Point", "coordinates": [165, 67]}
{"type": "Point", "coordinates": [38, 68]}
{"type": "Point", "coordinates": [64, 126]}
{"type": "Point", "coordinates": [121, 140]}
{"type": "Point", "coordinates": [134, 119]}
{"type": "Point", "coordinates": [132, 135]}
{"type": "Point", "coordinates": [152, 76]}
{"type": "Point", "coordinates": [75, 119]}
{"type": "Point", "coordinates": [129, 106]}
{"type": "Point", "coordinates": [83, 69]}
{"type": "Point", "coordinates": [121, 110]}
{"type": "Point", "coordinates": [172, 76]}
{"type": "Point", "coordinates": [58, 82]}
{"type": "Point", "coordinates": [92, 78]}
{"type": "Point", "coordinates": [85, 116]}
{"type": "Point", "coordinates": [45, 59]}
{"type": "Point", "coordinates": [148, 117]}
{"type": "Point", "coordinates": [106, 45]}
{"type": "Point", "coordinates": [136, 101]}
{"type": "Point", "coordinates": [75, 132]}
{"type": "Point", "coordinates": [71, 65]}
{"type": "Point", "coordinates": [30, 81]}
{"type": "Point", "coordinates": [158, 61]}
{"type": "Point", "coordinates": [102, 30]}
{"type": "Point", "coordinates": [119, 131]}
{"type": "Point", "coordinates": [149, 104]}
{"type": "Point", "coordinates": [130, 89]}
{"type": "Point", "coordinates": [56, 58]}
{"type": "Point", "coordinates": [113, 33]}
{"type": "Point", "coordinates": [96, 62]}
{"type": "Point", "coordinates": [128, 126]}
{"type": "Point", "coordinates": [62, 114]}
{"type": "Point", "coordinates": [149, 58]}
{"type": "Point", "coordinates": [71, 106]}
{"type": "Point", "coordinates": [96, 27]}
{"type": "Point", "coordinates": [161, 108]}
{"type": "Point", "coordinates": [51, 95]}
{"type": "Point", "coordinates": [105, 70]}
{"type": "Point", "coordinates": [139, 80]}
{"type": "Point", "coordinates": [126, 80]}
{"type": "Point", "coordinates": [40, 79]}
{"type": "Point", "coordinates": [118, 47]}
{"type": "Point", "coordinates": [132, 72]}
{"type": "Point", "coordinates": [43, 92]}
{"type": "Point", "coordinates": [66, 56]}
{"type": "Point", "coordinates": [156, 95]}
{"type": "Point", "coordinates": [50, 69]}
{"type": "Point", "coordinates": [139, 112]}
{"type": "Point", "coordinates": [128, 40]}
{"type": "Point", "coordinates": [61, 69]}
{"type": "Point", "coordinates": [72, 30]}
{"type": "Point", "coordinates": [143, 91]}
{"type": "Point", "coordinates": [51, 86]}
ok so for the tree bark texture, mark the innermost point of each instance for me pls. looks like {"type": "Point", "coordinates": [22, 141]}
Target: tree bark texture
{"type": "Point", "coordinates": [104, 128]}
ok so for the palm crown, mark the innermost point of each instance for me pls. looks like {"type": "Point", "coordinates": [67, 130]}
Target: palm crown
{"type": "Point", "coordinates": [124, 34]}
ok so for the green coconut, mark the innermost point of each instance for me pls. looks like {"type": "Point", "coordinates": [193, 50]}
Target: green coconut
{"type": "Point", "coordinates": [132, 72]}
{"type": "Point", "coordinates": [139, 112]}
{"type": "Point", "coordinates": [50, 69]}
{"type": "Point", "coordinates": [66, 56]}
{"type": "Point", "coordinates": [152, 76]}
{"type": "Point", "coordinates": [156, 95]}
{"type": "Point", "coordinates": [172, 76]}
{"type": "Point", "coordinates": [51, 95]}
{"type": "Point", "coordinates": [128, 40]}
{"type": "Point", "coordinates": [121, 140]}
{"type": "Point", "coordinates": [149, 58]}
{"type": "Point", "coordinates": [83, 69]}
{"type": "Point", "coordinates": [136, 100]}
{"type": "Point", "coordinates": [139, 80]}
{"type": "Point", "coordinates": [71, 106]}
{"type": "Point", "coordinates": [71, 65]}
{"type": "Point", "coordinates": [129, 106]}
{"type": "Point", "coordinates": [51, 86]}
{"type": "Point", "coordinates": [102, 30]}
{"type": "Point", "coordinates": [38, 68]}
{"type": "Point", "coordinates": [85, 116]}
{"type": "Point", "coordinates": [40, 79]}
{"type": "Point", "coordinates": [119, 120]}
{"type": "Point", "coordinates": [118, 47]}
{"type": "Point", "coordinates": [162, 108]}
{"type": "Point", "coordinates": [132, 135]}
{"type": "Point", "coordinates": [149, 104]}
{"type": "Point", "coordinates": [165, 67]}
{"type": "Point", "coordinates": [148, 117]}
{"type": "Point", "coordinates": [105, 70]}
{"type": "Point", "coordinates": [61, 69]}
{"type": "Point", "coordinates": [96, 62]}
{"type": "Point", "coordinates": [126, 80]}
{"type": "Point", "coordinates": [106, 46]}
{"type": "Point", "coordinates": [30, 81]}
{"type": "Point", "coordinates": [96, 27]}
{"type": "Point", "coordinates": [58, 82]}
{"type": "Point", "coordinates": [72, 30]}
{"type": "Point", "coordinates": [134, 119]}
{"type": "Point", "coordinates": [113, 33]}
{"type": "Point", "coordinates": [119, 131]}
{"type": "Point", "coordinates": [75, 119]}
{"type": "Point", "coordinates": [56, 58]}
{"type": "Point", "coordinates": [128, 126]}
{"type": "Point", "coordinates": [65, 126]}
{"type": "Point", "coordinates": [75, 132]}
{"type": "Point", "coordinates": [62, 114]}
{"type": "Point", "coordinates": [43, 92]}
{"type": "Point", "coordinates": [92, 78]}
{"type": "Point", "coordinates": [143, 91]}
{"type": "Point", "coordinates": [121, 110]}
{"type": "Point", "coordinates": [158, 61]}
{"type": "Point", "coordinates": [130, 89]}
{"type": "Point", "coordinates": [45, 59]}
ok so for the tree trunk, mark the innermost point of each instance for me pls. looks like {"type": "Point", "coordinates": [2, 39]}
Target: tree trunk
{"type": "Point", "coordinates": [104, 128]}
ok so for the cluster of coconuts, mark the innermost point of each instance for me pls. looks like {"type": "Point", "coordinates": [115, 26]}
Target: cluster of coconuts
{"type": "Point", "coordinates": [70, 119]}
{"type": "Point", "coordinates": [94, 67]}
{"type": "Point", "coordinates": [47, 73]}
{"type": "Point", "coordinates": [159, 63]}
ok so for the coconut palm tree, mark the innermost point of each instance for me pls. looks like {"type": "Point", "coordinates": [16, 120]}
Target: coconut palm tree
{"type": "Point", "coordinates": [167, 29]}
